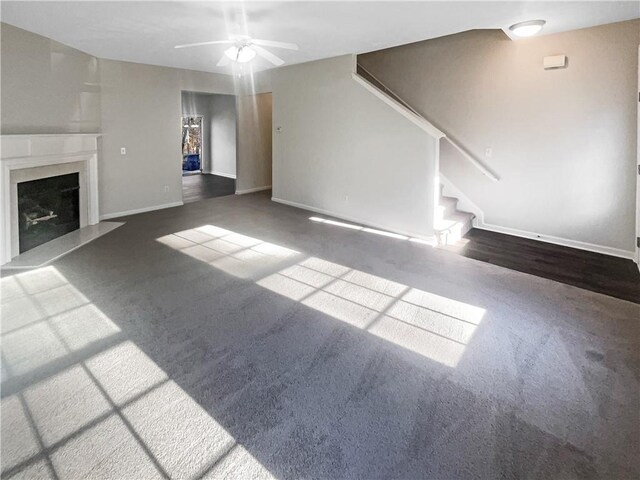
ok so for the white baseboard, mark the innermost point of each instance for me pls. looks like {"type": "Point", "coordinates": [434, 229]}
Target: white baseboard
{"type": "Point", "coordinates": [366, 223]}
{"type": "Point", "coordinates": [220, 174]}
{"type": "Point", "coordinates": [107, 216]}
{"type": "Point", "coordinates": [467, 204]}
{"type": "Point", "coordinates": [591, 247]}
{"type": "Point", "coordinates": [251, 190]}
{"type": "Point", "coordinates": [616, 252]}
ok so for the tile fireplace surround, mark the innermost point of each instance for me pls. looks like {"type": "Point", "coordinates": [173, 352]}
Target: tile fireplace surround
{"type": "Point", "coordinates": [30, 157]}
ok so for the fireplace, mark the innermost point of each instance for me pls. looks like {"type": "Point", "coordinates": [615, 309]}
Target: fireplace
{"type": "Point", "coordinates": [47, 208]}
{"type": "Point", "coordinates": [48, 188]}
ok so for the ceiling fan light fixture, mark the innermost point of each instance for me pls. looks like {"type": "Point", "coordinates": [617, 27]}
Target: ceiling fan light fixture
{"type": "Point", "coordinates": [527, 29]}
{"type": "Point", "coordinates": [241, 54]}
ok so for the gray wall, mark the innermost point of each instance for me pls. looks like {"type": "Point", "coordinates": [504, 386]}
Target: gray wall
{"type": "Point", "coordinates": [47, 87]}
{"type": "Point", "coordinates": [564, 141]}
{"type": "Point", "coordinates": [254, 141]}
{"type": "Point", "coordinates": [345, 152]}
{"type": "Point", "coordinates": [141, 110]}
{"type": "Point", "coordinates": [51, 88]}
{"type": "Point", "coordinates": [223, 134]}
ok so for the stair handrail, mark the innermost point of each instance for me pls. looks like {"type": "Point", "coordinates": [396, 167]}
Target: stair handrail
{"type": "Point", "coordinates": [395, 103]}
{"type": "Point", "coordinates": [390, 92]}
{"type": "Point", "coordinates": [476, 163]}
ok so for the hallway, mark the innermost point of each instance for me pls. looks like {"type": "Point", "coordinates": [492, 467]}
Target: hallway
{"type": "Point", "coordinates": [200, 186]}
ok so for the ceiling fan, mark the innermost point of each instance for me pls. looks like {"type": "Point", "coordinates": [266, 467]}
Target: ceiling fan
{"type": "Point", "coordinates": [244, 48]}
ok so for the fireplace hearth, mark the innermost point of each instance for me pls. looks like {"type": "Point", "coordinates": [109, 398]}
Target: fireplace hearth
{"type": "Point", "coordinates": [47, 208]}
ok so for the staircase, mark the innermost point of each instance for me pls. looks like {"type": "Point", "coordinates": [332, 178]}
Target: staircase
{"type": "Point", "coordinates": [451, 224]}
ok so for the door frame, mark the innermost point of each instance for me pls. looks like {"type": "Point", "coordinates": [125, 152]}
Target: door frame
{"type": "Point", "coordinates": [636, 240]}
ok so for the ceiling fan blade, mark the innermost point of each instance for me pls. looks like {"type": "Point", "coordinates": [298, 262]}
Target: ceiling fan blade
{"type": "Point", "coordinates": [223, 62]}
{"type": "Point", "coordinates": [188, 45]}
{"type": "Point", "coordinates": [271, 43]}
{"type": "Point", "coordinates": [267, 55]}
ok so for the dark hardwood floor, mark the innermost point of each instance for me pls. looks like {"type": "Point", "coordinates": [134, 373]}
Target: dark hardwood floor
{"type": "Point", "coordinates": [198, 187]}
{"type": "Point", "coordinates": [612, 276]}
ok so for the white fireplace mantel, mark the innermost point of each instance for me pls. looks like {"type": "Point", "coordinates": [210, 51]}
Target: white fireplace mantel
{"type": "Point", "coordinates": [19, 152]}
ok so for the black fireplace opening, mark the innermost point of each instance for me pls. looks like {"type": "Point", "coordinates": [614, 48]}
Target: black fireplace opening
{"type": "Point", "coordinates": [47, 208]}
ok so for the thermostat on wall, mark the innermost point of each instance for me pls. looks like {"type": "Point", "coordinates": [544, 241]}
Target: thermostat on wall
{"type": "Point", "coordinates": [555, 61]}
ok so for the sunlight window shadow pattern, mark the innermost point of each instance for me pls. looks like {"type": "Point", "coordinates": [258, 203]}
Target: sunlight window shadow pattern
{"type": "Point", "coordinates": [233, 253]}
{"type": "Point", "coordinates": [112, 414]}
{"type": "Point", "coordinates": [432, 241]}
{"type": "Point", "coordinates": [431, 325]}
{"type": "Point", "coordinates": [434, 326]}
{"type": "Point", "coordinates": [44, 318]}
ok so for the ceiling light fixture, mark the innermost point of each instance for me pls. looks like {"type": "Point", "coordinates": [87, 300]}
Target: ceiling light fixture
{"type": "Point", "coordinates": [527, 29]}
{"type": "Point", "coordinates": [240, 54]}
{"type": "Point", "coordinates": [244, 49]}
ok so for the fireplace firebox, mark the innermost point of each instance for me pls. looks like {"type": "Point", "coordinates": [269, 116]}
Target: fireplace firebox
{"type": "Point", "coordinates": [47, 208]}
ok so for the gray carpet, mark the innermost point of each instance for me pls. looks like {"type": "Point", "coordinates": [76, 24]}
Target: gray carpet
{"type": "Point", "coordinates": [237, 338]}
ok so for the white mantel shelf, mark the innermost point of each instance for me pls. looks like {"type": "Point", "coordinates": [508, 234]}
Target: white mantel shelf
{"type": "Point", "coordinates": [19, 146]}
{"type": "Point", "coordinates": [23, 151]}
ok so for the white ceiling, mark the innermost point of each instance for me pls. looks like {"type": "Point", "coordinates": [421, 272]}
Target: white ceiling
{"type": "Point", "coordinates": [146, 31]}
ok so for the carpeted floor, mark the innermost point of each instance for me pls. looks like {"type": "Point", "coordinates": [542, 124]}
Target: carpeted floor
{"type": "Point", "coordinates": [235, 338]}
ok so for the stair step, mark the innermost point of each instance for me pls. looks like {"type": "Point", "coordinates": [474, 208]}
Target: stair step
{"type": "Point", "coordinates": [453, 227]}
{"type": "Point", "coordinates": [447, 206]}
{"type": "Point", "coordinates": [448, 201]}
{"type": "Point", "coordinates": [451, 224]}
{"type": "Point", "coordinates": [454, 218]}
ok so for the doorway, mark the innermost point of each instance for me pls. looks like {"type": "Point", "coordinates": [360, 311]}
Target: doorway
{"type": "Point", "coordinates": [192, 145]}
{"type": "Point", "coordinates": [208, 145]}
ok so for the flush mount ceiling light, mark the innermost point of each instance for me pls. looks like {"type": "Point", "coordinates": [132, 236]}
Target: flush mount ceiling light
{"type": "Point", "coordinates": [527, 29]}
{"type": "Point", "coordinates": [240, 54]}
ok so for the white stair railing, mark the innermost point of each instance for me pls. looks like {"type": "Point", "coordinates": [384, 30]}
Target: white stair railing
{"type": "Point", "coordinates": [370, 78]}
{"type": "Point", "coordinates": [396, 103]}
